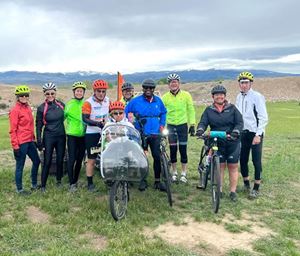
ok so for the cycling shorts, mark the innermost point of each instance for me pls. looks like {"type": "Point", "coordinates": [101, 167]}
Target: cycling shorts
{"type": "Point", "coordinates": [229, 151]}
{"type": "Point", "coordinates": [91, 143]}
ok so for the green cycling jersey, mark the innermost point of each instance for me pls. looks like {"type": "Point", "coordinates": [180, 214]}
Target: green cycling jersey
{"type": "Point", "coordinates": [73, 113]}
{"type": "Point", "coordinates": [180, 108]}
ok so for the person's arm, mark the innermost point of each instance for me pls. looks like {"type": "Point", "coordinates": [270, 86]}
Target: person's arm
{"type": "Point", "coordinates": [86, 113]}
{"type": "Point", "coordinates": [262, 115]}
{"type": "Point", "coordinates": [39, 125]}
{"type": "Point", "coordinates": [163, 115]}
{"type": "Point", "coordinates": [204, 122]}
{"type": "Point", "coordinates": [190, 110]}
{"type": "Point", "coordinates": [14, 120]}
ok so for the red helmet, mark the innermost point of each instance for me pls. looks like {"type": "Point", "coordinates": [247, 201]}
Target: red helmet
{"type": "Point", "coordinates": [100, 84]}
{"type": "Point", "coordinates": [116, 105]}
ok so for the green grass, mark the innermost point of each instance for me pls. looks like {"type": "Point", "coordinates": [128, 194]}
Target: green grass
{"type": "Point", "coordinates": [72, 215]}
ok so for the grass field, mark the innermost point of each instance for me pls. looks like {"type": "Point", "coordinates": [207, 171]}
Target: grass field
{"type": "Point", "coordinates": [61, 223]}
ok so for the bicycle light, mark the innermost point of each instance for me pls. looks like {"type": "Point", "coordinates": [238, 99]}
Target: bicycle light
{"type": "Point", "coordinates": [165, 132]}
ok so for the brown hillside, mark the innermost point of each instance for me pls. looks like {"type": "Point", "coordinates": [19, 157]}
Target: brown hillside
{"type": "Point", "coordinates": [274, 89]}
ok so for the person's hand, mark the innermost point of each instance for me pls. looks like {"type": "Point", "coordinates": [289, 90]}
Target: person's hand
{"type": "Point", "coordinates": [161, 128]}
{"type": "Point", "coordinates": [256, 140]}
{"type": "Point", "coordinates": [17, 153]}
{"type": "Point", "coordinates": [199, 132]}
{"type": "Point", "coordinates": [235, 134]}
{"type": "Point", "coordinates": [192, 130]}
{"type": "Point", "coordinates": [100, 124]}
{"type": "Point", "coordinates": [40, 145]}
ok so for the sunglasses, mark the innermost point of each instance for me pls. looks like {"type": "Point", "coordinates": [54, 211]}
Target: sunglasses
{"type": "Point", "coordinates": [23, 95]}
{"type": "Point", "coordinates": [148, 88]}
{"type": "Point", "coordinates": [50, 93]}
{"type": "Point", "coordinates": [118, 113]}
{"type": "Point", "coordinates": [101, 91]}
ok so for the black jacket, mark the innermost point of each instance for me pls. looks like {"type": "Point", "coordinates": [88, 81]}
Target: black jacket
{"type": "Point", "coordinates": [54, 119]}
{"type": "Point", "coordinates": [228, 120]}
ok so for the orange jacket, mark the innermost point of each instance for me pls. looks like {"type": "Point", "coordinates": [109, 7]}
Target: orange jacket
{"type": "Point", "coordinates": [21, 125]}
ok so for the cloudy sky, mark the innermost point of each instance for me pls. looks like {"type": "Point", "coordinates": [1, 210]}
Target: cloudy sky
{"type": "Point", "coordinates": [141, 35]}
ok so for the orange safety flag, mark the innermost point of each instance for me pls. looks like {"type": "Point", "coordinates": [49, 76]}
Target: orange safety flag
{"type": "Point", "coordinates": [119, 88]}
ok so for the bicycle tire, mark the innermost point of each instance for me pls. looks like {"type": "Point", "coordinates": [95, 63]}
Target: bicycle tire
{"type": "Point", "coordinates": [203, 170]}
{"type": "Point", "coordinates": [215, 183]}
{"type": "Point", "coordinates": [118, 199]}
{"type": "Point", "coordinates": [166, 177]}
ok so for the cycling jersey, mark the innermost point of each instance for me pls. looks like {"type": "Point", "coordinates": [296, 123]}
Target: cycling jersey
{"type": "Point", "coordinates": [97, 111]}
{"type": "Point", "coordinates": [73, 116]}
{"type": "Point", "coordinates": [180, 108]}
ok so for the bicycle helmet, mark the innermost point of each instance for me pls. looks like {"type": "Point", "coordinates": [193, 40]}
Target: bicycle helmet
{"type": "Point", "coordinates": [218, 89]}
{"type": "Point", "coordinates": [116, 105]}
{"type": "Point", "coordinates": [79, 85]}
{"type": "Point", "coordinates": [49, 86]}
{"type": "Point", "coordinates": [22, 89]}
{"type": "Point", "coordinates": [148, 83]}
{"type": "Point", "coordinates": [173, 77]}
{"type": "Point", "coordinates": [245, 75]}
{"type": "Point", "coordinates": [126, 86]}
{"type": "Point", "coordinates": [100, 84]}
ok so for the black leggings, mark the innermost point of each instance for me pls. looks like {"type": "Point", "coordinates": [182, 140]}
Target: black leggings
{"type": "Point", "coordinates": [256, 151]}
{"type": "Point", "coordinates": [76, 150]}
{"type": "Point", "coordinates": [178, 134]}
{"type": "Point", "coordinates": [154, 142]}
{"type": "Point", "coordinates": [51, 142]}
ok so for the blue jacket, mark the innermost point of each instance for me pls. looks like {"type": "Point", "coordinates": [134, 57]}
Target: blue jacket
{"type": "Point", "coordinates": [154, 112]}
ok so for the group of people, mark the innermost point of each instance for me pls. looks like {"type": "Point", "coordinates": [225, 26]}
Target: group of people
{"type": "Point", "coordinates": [84, 120]}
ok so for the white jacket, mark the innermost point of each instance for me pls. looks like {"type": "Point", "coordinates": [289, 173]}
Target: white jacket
{"type": "Point", "coordinates": [252, 106]}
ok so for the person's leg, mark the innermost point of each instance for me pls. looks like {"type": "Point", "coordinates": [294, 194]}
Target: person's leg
{"type": "Point", "coordinates": [72, 148]}
{"type": "Point", "coordinates": [34, 156]}
{"type": "Point", "coordinates": [79, 157]}
{"type": "Point", "coordinates": [233, 154]}
{"type": "Point", "coordinates": [49, 143]}
{"type": "Point", "coordinates": [172, 137]}
{"type": "Point", "coordinates": [233, 176]}
{"type": "Point", "coordinates": [246, 142]}
{"type": "Point", "coordinates": [154, 143]}
{"type": "Point", "coordinates": [182, 131]}
{"type": "Point", "coordinates": [60, 149]}
{"type": "Point", "coordinates": [20, 162]}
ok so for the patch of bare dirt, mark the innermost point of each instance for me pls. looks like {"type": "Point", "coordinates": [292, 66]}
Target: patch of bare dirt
{"type": "Point", "coordinates": [209, 238]}
{"type": "Point", "coordinates": [36, 215]}
{"type": "Point", "coordinates": [95, 242]}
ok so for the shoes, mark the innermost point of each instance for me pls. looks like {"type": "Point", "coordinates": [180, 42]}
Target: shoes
{"type": "Point", "coordinates": [254, 194]}
{"type": "Point", "coordinates": [35, 187]}
{"type": "Point", "coordinates": [92, 188]}
{"type": "Point", "coordinates": [23, 192]}
{"type": "Point", "coordinates": [183, 178]}
{"type": "Point", "coordinates": [143, 185]}
{"type": "Point", "coordinates": [174, 178]}
{"type": "Point", "coordinates": [160, 186]}
{"type": "Point", "coordinates": [73, 188]}
{"type": "Point", "coordinates": [246, 189]}
{"type": "Point", "coordinates": [233, 196]}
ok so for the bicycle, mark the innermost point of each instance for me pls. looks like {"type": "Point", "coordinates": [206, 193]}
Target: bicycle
{"type": "Point", "coordinates": [210, 168]}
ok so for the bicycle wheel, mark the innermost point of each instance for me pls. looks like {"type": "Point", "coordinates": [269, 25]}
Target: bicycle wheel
{"type": "Point", "coordinates": [166, 176]}
{"type": "Point", "coordinates": [215, 183]}
{"type": "Point", "coordinates": [118, 199]}
{"type": "Point", "coordinates": [203, 170]}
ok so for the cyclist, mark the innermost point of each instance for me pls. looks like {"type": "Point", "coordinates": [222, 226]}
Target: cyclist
{"type": "Point", "coordinates": [223, 116]}
{"type": "Point", "coordinates": [75, 130]}
{"type": "Point", "coordinates": [181, 111]}
{"type": "Point", "coordinates": [150, 108]}
{"type": "Point", "coordinates": [22, 138]}
{"type": "Point", "coordinates": [127, 93]}
{"type": "Point", "coordinates": [116, 114]}
{"type": "Point", "coordinates": [50, 132]}
{"type": "Point", "coordinates": [253, 108]}
{"type": "Point", "coordinates": [94, 114]}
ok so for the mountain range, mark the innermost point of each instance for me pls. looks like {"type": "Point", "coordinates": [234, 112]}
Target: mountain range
{"type": "Point", "coordinates": [37, 78]}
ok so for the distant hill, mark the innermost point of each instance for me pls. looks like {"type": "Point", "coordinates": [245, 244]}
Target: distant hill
{"type": "Point", "coordinates": [188, 76]}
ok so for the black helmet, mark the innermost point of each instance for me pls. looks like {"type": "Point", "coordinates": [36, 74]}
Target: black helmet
{"type": "Point", "coordinates": [126, 86]}
{"type": "Point", "coordinates": [148, 83]}
{"type": "Point", "coordinates": [218, 89]}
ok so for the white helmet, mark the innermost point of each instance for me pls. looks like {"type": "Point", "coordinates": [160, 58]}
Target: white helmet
{"type": "Point", "coordinates": [173, 77]}
{"type": "Point", "coordinates": [49, 86]}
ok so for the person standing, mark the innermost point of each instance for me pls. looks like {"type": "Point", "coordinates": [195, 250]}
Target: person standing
{"type": "Point", "coordinates": [150, 109]}
{"type": "Point", "coordinates": [94, 114]}
{"type": "Point", "coordinates": [252, 106]}
{"type": "Point", "coordinates": [75, 130]}
{"type": "Point", "coordinates": [127, 93]}
{"type": "Point", "coordinates": [50, 132]}
{"type": "Point", "coordinates": [181, 112]}
{"type": "Point", "coordinates": [223, 116]}
{"type": "Point", "coordinates": [23, 139]}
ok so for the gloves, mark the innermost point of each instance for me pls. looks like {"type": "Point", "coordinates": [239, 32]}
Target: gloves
{"type": "Point", "coordinates": [199, 132]}
{"type": "Point", "coordinates": [17, 153]}
{"type": "Point", "coordinates": [192, 130]}
{"type": "Point", "coordinates": [100, 124]}
{"type": "Point", "coordinates": [235, 134]}
{"type": "Point", "coordinates": [39, 145]}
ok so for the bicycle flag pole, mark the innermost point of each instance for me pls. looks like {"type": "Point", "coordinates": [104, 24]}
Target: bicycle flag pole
{"type": "Point", "coordinates": [120, 81]}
